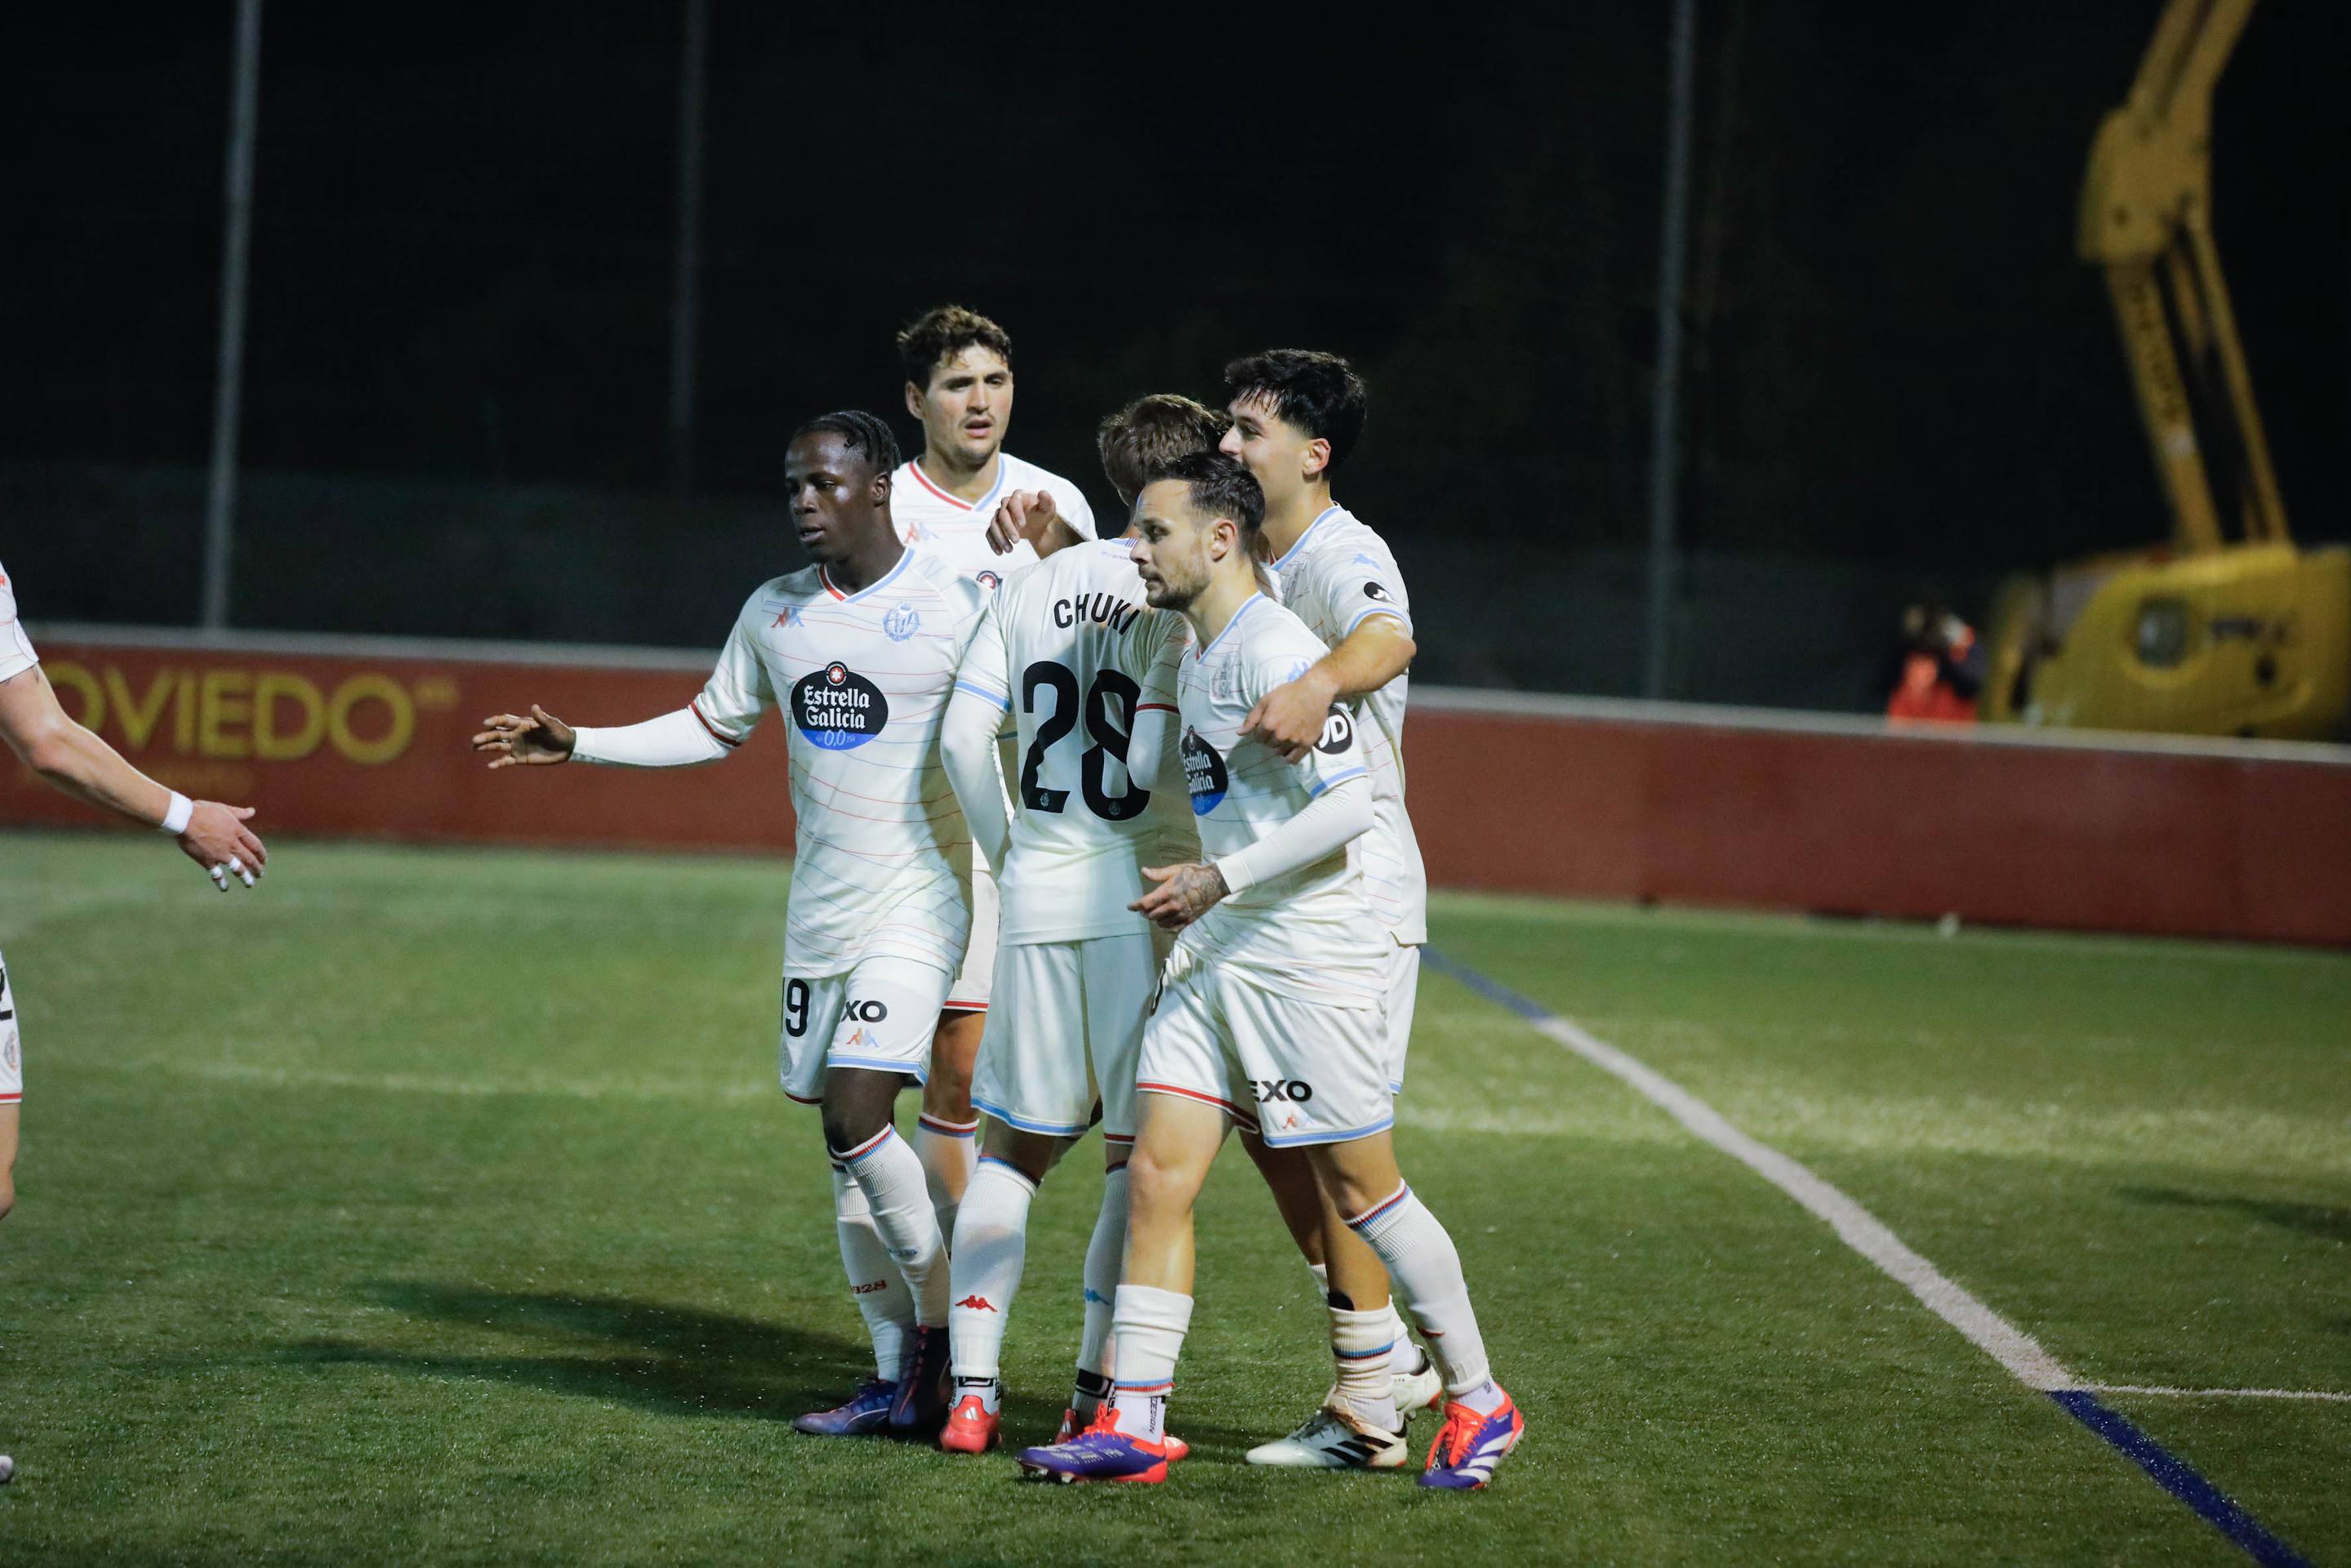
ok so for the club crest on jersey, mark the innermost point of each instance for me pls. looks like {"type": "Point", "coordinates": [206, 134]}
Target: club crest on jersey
{"type": "Point", "coordinates": [903, 623]}
{"type": "Point", "coordinates": [1338, 731]}
{"type": "Point", "coordinates": [1204, 774]}
{"type": "Point", "coordinates": [1378, 590]}
{"type": "Point", "coordinates": [837, 708]}
{"type": "Point", "coordinates": [8, 1051]}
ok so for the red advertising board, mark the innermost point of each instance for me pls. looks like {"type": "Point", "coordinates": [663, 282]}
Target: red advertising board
{"type": "Point", "coordinates": [372, 739]}
{"type": "Point", "coordinates": [1532, 795]}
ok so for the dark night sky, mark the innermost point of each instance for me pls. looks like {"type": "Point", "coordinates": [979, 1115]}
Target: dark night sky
{"type": "Point", "coordinates": [462, 253]}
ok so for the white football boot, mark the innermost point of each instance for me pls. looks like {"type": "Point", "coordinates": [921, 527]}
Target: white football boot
{"type": "Point", "coordinates": [1419, 1390]}
{"type": "Point", "coordinates": [1334, 1438]}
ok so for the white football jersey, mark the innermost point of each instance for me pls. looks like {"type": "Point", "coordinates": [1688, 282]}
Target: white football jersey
{"type": "Point", "coordinates": [1071, 648]}
{"type": "Point", "coordinates": [1310, 933]}
{"type": "Point", "coordinates": [1337, 576]}
{"type": "Point", "coordinates": [17, 654]}
{"type": "Point", "coordinates": [882, 861]}
{"type": "Point", "coordinates": [957, 529]}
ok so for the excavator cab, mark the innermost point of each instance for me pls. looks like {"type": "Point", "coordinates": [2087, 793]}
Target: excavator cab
{"type": "Point", "coordinates": [2230, 629]}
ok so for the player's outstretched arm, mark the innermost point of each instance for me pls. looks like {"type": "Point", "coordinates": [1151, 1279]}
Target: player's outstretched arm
{"type": "Point", "coordinates": [1290, 717]}
{"type": "Point", "coordinates": [82, 765]}
{"type": "Point", "coordinates": [1034, 515]}
{"type": "Point", "coordinates": [675, 739]}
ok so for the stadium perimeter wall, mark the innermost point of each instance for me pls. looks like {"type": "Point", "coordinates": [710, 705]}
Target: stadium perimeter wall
{"type": "Point", "coordinates": [1581, 798]}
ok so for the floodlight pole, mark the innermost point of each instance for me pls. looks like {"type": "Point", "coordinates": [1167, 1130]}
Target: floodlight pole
{"type": "Point", "coordinates": [228, 385]}
{"type": "Point", "coordinates": [1663, 458]}
{"type": "Point", "coordinates": [684, 299]}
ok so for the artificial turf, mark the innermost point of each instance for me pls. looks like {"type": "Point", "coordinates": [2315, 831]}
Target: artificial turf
{"type": "Point", "coordinates": [438, 1205]}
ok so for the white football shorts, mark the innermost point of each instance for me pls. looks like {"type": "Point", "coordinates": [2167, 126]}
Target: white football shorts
{"type": "Point", "coordinates": [1065, 1031]}
{"type": "Point", "coordinates": [12, 1050]}
{"type": "Point", "coordinates": [969, 993]}
{"type": "Point", "coordinates": [1404, 988]}
{"type": "Point", "coordinates": [1291, 1071]}
{"type": "Point", "coordinates": [880, 1015]}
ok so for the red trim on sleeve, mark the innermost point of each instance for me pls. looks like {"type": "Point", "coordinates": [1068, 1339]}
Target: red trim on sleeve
{"type": "Point", "coordinates": [715, 733]}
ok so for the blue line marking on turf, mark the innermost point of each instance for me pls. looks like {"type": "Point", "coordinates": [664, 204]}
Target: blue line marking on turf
{"type": "Point", "coordinates": [2166, 1469]}
{"type": "Point", "coordinates": [2173, 1474]}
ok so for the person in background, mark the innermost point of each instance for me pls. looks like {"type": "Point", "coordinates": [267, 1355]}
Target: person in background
{"type": "Point", "coordinates": [1942, 668]}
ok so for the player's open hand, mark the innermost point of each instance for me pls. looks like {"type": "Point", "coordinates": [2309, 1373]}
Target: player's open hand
{"type": "Point", "coordinates": [217, 840]}
{"type": "Point", "coordinates": [534, 742]}
{"type": "Point", "coordinates": [1023, 515]}
{"type": "Point", "coordinates": [1185, 893]}
{"type": "Point", "coordinates": [1288, 720]}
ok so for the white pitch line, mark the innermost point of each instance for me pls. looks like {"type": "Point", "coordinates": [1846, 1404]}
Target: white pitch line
{"type": "Point", "coordinates": [1860, 1229]}
{"type": "Point", "coordinates": [1863, 1231]}
{"type": "Point", "coordinates": [2326, 1394]}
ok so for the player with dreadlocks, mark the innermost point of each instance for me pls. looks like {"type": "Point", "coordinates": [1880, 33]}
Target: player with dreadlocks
{"type": "Point", "coordinates": [861, 650]}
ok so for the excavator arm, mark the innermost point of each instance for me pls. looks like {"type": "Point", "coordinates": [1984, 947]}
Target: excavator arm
{"type": "Point", "coordinates": [2145, 220]}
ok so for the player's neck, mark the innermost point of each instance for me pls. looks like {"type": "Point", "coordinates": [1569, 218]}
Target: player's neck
{"type": "Point", "coordinates": [1218, 603]}
{"type": "Point", "coordinates": [1285, 527]}
{"type": "Point", "coordinates": [949, 473]}
{"type": "Point", "coordinates": [869, 566]}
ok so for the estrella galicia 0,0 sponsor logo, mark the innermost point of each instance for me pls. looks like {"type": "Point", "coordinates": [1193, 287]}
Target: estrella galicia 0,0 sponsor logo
{"type": "Point", "coordinates": [1204, 774]}
{"type": "Point", "coordinates": [837, 708]}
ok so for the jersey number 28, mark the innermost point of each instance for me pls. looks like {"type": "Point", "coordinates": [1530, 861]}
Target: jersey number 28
{"type": "Point", "coordinates": [1110, 720]}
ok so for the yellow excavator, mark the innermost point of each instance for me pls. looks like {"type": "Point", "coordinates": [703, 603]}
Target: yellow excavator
{"type": "Point", "coordinates": [2229, 628]}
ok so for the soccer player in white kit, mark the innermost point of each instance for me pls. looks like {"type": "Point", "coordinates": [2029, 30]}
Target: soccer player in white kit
{"type": "Point", "coordinates": [1269, 1015]}
{"type": "Point", "coordinates": [959, 367]}
{"type": "Point", "coordinates": [1070, 648]}
{"type": "Point", "coordinates": [81, 765]}
{"type": "Point", "coordinates": [861, 651]}
{"type": "Point", "coordinates": [1297, 414]}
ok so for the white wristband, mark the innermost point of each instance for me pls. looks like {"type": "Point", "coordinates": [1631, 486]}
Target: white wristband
{"type": "Point", "coordinates": [176, 814]}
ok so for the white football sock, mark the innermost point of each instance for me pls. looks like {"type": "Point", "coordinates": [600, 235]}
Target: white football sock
{"type": "Point", "coordinates": [1104, 1255]}
{"type": "Point", "coordinates": [948, 1151]}
{"type": "Point", "coordinates": [1360, 1343]}
{"type": "Point", "coordinates": [892, 1178]}
{"type": "Point", "coordinates": [1427, 1271]}
{"type": "Point", "coordinates": [1149, 1325]}
{"type": "Point", "coordinates": [876, 1283]}
{"type": "Point", "coordinates": [991, 1243]}
{"type": "Point", "coordinates": [1321, 1272]}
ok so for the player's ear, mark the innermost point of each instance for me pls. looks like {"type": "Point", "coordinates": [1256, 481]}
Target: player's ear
{"type": "Point", "coordinates": [1316, 459]}
{"type": "Point", "coordinates": [914, 400]}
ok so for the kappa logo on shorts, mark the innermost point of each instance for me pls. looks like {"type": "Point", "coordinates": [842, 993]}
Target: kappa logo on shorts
{"type": "Point", "coordinates": [1204, 773]}
{"type": "Point", "coordinates": [1338, 731]}
{"type": "Point", "coordinates": [1294, 1089]}
{"type": "Point", "coordinates": [837, 708]}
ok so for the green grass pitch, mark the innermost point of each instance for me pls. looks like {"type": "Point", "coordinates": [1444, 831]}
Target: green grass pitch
{"type": "Point", "coordinates": [440, 1206]}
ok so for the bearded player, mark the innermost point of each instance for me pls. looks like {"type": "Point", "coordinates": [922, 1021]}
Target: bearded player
{"type": "Point", "coordinates": [958, 368]}
{"type": "Point", "coordinates": [861, 650]}
{"type": "Point", "coordinates": [1070, 649]}
{"type": "Point", "coordinates": [1269, 1015]}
